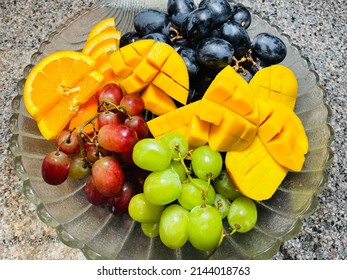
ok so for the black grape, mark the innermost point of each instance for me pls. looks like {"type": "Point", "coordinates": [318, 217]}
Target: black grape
{"type": "Point", "coordinates": [158, 37]}
{"type": "Point", "coordinates": [179, 9]}
{"type": "Point", "coordinates": [214, 53]}
{"type": "Point", "coordinates": [197, 25]}
{"type": "Point", "coordinates": [203, 80]}
{"type": "Point", "coordinates": [237, 36]}
{"type": "Point", "coordinates": [181, 42]}
{"type": "Point", "coordinates": [128, 38]}
{"type": "Point", "coordinates": [189, 57]}
{"type": "Point", "coordinates": [194, 95]}
{"type": "Point", "coordinates": [151, 21]}
{"type": "Point", "coordinates": [215, 33]}
{"type": "Point", "coordinates": [241, 15]}
{"type": "Point", "coordinates": [269, 48]}
{"type": "Point", "coordinates": [220, 9]}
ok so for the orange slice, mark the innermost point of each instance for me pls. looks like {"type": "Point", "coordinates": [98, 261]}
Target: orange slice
{"type": "Point", "coordinates": [105, 24]}
{"type": "Point", "coordinates": [86, 112]}
{"type": "Point", "coordinates": [97, 40]}
{"type": "Point", "coordinates": [57, 86]}
{"type": "Point", "coordinates": [101, 52]}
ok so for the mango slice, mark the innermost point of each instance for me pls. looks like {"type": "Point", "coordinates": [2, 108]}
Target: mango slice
{"type": "Point", "coordinates": [156, 99]}
{"type": "Point", "coordinates": [277, 83]}
{"type": "Point", "coordinates": [231, 91]}
{"type": "Point", "coordinates": [279, 146]}
{"type": "Point", "coordinates": [198, 132]}
{"type": "Point", "coordinates": [172, 120]}
{"type": "Point", "coordinates": [254, 172]}
{"type": "Point", "coordinates": [230, 107]}
{"type": "Point", "coordinates": [183, 120]}
{"type": "Point", "coordinates": [146, 62]}
{"type": "Point", "coordinates": [233, 133]}
{"type": "Point", "coordinates": [283, 136]}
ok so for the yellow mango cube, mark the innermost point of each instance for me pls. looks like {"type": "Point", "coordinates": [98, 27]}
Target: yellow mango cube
{"type": "Point", "coordinates": [157, 101]}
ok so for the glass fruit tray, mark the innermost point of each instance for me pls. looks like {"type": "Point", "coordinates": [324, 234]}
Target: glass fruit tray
{"type": "Point", "coordinates": [102, 235]}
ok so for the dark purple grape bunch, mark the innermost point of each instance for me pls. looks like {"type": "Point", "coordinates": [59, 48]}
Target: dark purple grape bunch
{"type": "Point", "coordinates": [208, 36]}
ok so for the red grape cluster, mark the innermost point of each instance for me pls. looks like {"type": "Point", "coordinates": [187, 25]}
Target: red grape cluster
{"type": "Point", "coordinates": [104, 157]}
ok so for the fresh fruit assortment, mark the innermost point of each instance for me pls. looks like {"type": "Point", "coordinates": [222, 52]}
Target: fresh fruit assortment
{"type": "Point", "coordinates": [183, 123]}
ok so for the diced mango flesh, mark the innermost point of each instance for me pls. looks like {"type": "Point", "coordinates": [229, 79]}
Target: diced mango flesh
{"type": "Point", "coordinates": [284, 137]}
{"type": "Point", "coordinates": [230, 90]}
{"type": "Point", "coordinates": [254, 171]}
{"type": "Point", "coordinates": [146, 62]}
{"type": "Point", "coordinates": [254, 123]}
{"type": "Point", "coordinates": [276, 83]}
{"type": "Point", "coordinates": [156, 99]}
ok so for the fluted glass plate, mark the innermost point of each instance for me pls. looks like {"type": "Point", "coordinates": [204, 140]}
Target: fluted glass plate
{"type": "Point", "coordinates": [101, 235]}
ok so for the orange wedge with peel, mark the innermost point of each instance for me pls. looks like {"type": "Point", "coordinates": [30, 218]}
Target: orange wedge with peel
{"type": "Point", "coordinates": [86, 112]}
{"type": "Point", "coordinates": [105, 24]}
{"type": "Point", "coordinates": [97, 40]}
{"type": "Point", "coordinates": [101, 52]}
{"type": "Point", "coordinates": [57, 86]}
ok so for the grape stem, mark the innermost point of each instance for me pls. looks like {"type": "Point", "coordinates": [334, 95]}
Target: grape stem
{"type": "Point", "coordinates": [112, 106]}
{"type": "Point", "coordinates": [238, 67]}
{"type": "Point", "coordinates": [177, 34]}
{"type": "Point", "coordinates": [103, 106]}
{"type": "Point", "coordinates": [216, 248]}
{"type": "Point", "coordinates": [181, 160]}
{"type": "Point", "coordinates": [204, 193]}
{"type": "Point", "coordinates": [190, 179]}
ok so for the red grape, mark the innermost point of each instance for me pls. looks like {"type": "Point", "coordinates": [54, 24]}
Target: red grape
{"type": "Point", "coordinates": [118, 204]}
{"type": "Point", "coordinates": [117, 138]}
{"type": "Point", "coordinates": [92, 194]}
{"type": "Point", "coordinates": [137, 175]}
{"type": "Point", "coordinates": [120, 115]}
{"type": "Point", "coordinates": [132, 103]}
{"type": "Point", "coordinates": [55, 168]}
{"type": "Point", "coordinates": [108, 117]}
{"type": "Point", "coordinates": [139, 124]}
{"type": "Point", "coordinates": [78, 167]}
{"type": "Point", "coordinates": [67, 142]}
{"type": "Point", "coordinates": [108, 176]}
{"type": "Point", "coordinates": [93, 152]}
{"type": "Point", "coordinates": [127, 157]}
{"type": "Point", "coordinates": [110, 93]}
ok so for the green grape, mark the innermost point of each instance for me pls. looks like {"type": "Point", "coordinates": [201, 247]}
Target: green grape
{"type": "Point", "coordinates": [177, 143]}
{"type": "Point", "coordinates": [222, 205]}
{"type": "Point", "coordinates": [173, 226]}
{"type": "Point", "coordinates": [151, 230]}
{"type": "Point", "coordinates": [162, 187]}
{"type": "Point", "coordinates": [192, 194]}
{"type": "Point", "coordinates": [151, 154]}
{"type": "Point", "coordinates": [242, 215]}
{"type": "Point", "coordinates": [179, 169]}
{"type": "Point", "coordinates": [202, 185]}
{"type": "Point", "coordinates": [206, 162]}
{"type": "Point", "coordinates": [205, 228]}
{"type": "Point", "coordinates": [225, 186]}
{"type": "Point", "coordinates": [143, 211]}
